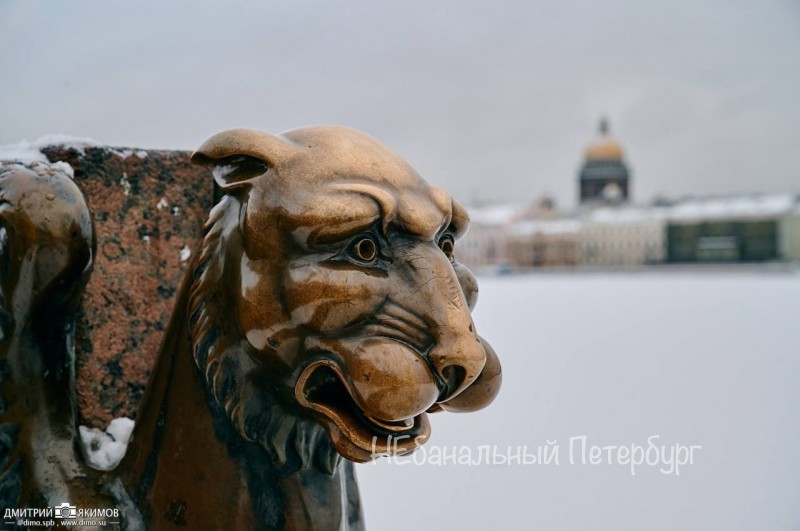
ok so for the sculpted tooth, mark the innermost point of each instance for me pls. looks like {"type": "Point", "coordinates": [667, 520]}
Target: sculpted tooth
{"type": "Point", "coordinates": [400, 425]}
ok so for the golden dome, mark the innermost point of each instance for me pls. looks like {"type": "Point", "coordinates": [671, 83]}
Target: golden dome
{"type": "Point", "coordinates": [605, 147]}
{"type": "Point", "coordinates": [608, 150]}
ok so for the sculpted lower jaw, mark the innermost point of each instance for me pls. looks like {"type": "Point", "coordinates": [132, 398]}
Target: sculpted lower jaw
{"type": "Point", "coordinates": [355, 434]}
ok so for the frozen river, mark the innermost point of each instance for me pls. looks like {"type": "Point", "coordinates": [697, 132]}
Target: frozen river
{"type": "Point", "coordinates": [710, 360]}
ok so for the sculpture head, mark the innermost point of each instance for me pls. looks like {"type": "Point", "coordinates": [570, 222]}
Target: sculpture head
{"type": "Point", "coordinates": [46, 246]}
{"type": "Point", "coordinates": [326, 291]}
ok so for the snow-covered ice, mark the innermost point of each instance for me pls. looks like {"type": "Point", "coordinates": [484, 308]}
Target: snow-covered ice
{"type": "Point", "coordinates": [708, 359]}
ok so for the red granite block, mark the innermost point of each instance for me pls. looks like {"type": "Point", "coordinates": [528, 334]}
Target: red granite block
{"type": "Point", "coordinates": [149, 208]}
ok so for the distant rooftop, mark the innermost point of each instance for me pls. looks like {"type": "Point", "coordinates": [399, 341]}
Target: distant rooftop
{"type": "Point", "coordinates": [546, 226]}
{"type": "Point", "coordinates": [497, 214]}
{"type": "Point", "coordinates": [684, 209]}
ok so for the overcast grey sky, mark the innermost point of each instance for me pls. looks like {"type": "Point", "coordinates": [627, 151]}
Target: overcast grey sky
{"type": "Point", "coordinates": [493, 100]}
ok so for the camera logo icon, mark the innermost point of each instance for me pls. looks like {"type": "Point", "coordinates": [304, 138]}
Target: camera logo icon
{"type": "Point", "coordinates": [65, 510]}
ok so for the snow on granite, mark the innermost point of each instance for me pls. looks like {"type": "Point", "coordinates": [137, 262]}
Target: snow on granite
{"type": "Point", "coordinates": [126, 153]}
{"type": "Point", "coordinates": [26, 151]}
{"type": "Point", "coordinates": [125, 184]}
{"type": "Point", "coordinates": [104, 450]}
{"type": "Point", "coordinates": [22, 152]}
{"type": "Point", "coordinates": [30, 152]}
{"type": "Point", "coordinates": [63, 166]}
{"type": "Point", "coordinates": [59, 165]}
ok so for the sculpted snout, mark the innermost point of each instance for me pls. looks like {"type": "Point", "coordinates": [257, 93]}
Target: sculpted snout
{"type": "Point", "coordinates": [419, 348]}
{"type": "Point", "coordinates": [456, 354]}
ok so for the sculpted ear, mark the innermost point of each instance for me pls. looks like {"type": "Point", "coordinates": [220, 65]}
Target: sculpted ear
{"type": "Point", "coordinates": [237, 156]}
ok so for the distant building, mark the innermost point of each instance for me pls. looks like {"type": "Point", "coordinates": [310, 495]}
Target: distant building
{"type": "Point", "coordinates": [542, 243]}
{"type": "Point", "coordinates": [753, 228]}
{"type": "Point", "coordinates": [604, 177]}
{"type": "Point", "coordinates": [486, 241]}
{"type": "Point", "coordinates": [789, 235]}
{"type": "Point", "coordinates": [622, 236]}
{"type": "Point", "coordinates": [741, 228]}
{"type": "Point", "coordinates": [608, 231]}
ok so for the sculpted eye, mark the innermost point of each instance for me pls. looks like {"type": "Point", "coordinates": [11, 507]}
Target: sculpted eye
{"type": "Point", "coordinates": [448, 245]}
{"type": "Point", "coordinates": [364, 249]}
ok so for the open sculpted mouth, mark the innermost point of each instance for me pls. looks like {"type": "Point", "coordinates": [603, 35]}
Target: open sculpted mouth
{"type": "Point", "coordinates": [355, 433]}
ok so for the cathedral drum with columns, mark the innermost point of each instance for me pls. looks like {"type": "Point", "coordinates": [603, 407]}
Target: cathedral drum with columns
{"type": "Point", "coordinates": [604, 177]}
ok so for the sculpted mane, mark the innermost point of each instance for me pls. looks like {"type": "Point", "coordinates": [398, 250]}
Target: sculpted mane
{"type": "Point", "coordinates": [220, 352]}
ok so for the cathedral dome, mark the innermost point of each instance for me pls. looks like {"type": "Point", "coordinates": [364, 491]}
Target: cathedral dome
{"type": "Point", "coordinates": [605, 147]}
{"type": "Point", "coordinates": [604, 176]}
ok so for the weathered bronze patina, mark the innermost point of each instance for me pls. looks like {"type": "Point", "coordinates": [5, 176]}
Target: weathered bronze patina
{"type": "Point", "coordinates": [46, 255]}
{"type": "Point", "coordinates": [324, 315]}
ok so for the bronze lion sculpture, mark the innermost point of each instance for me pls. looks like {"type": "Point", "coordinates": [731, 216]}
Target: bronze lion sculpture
{"type": "Point", "coordinates": [323, 317]}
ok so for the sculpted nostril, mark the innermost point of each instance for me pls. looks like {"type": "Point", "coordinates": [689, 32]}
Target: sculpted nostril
{"type": "Point", "coordinates": [453, 376]}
